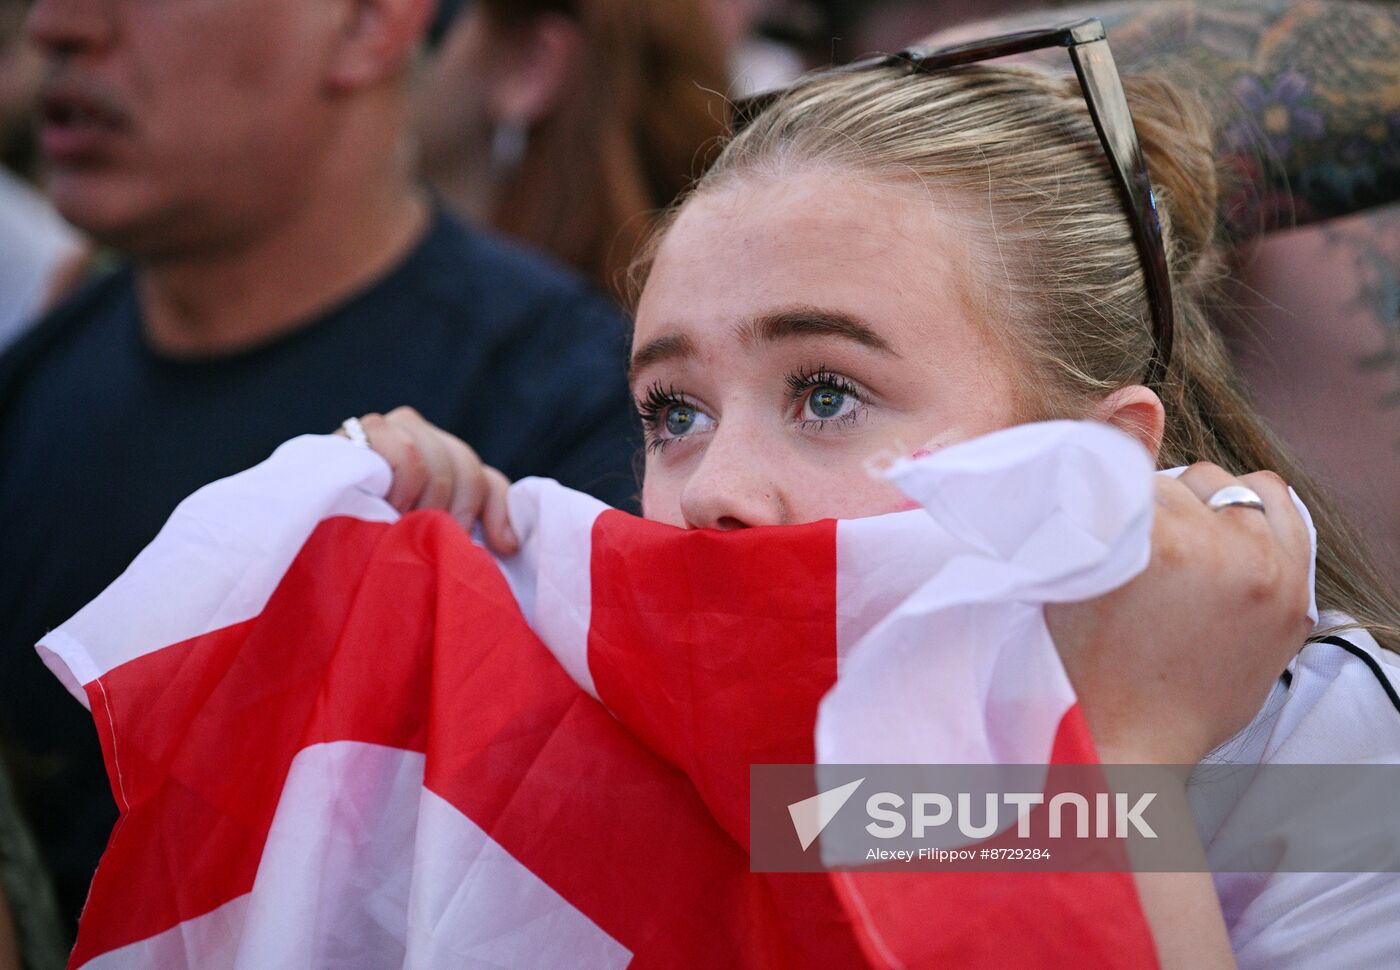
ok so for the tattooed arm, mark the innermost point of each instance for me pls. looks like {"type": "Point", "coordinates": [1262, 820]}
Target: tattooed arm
{"type": "Point", "coordinates": [1318, 344]}
{"type": "Point", "coordinates": [1307, 91]}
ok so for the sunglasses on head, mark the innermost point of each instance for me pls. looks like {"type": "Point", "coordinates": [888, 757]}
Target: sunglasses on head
{"type": "Point", "coordinates": [1108, 107]}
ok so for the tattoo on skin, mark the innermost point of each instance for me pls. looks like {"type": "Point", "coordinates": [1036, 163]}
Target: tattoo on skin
{"type": "Point", "coordinates": [1307, 94]}
{"type": "Point", "coordinates": [1372, 247]}
{"type": "Point", "coordinates": [1310, 128]}
{"type": "Point", "coordinates": [1307, 99]}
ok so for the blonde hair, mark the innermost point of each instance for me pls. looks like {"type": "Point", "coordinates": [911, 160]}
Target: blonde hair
{"type": "Point", "coordinates": [1016, 147]}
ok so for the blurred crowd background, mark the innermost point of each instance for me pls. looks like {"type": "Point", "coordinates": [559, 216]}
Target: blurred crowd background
{"type": "Point", "coordinates": [226, 222]}
{"type": "Point", "coordinates": [565, 123]}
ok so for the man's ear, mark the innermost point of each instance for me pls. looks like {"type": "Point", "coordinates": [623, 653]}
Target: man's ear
{"type": "Point", "coordinates": [377, 41]}
{"type": "Point", "coordinates": [1135, 410]}
{"type": "Point", "coordinates": [534, 68]}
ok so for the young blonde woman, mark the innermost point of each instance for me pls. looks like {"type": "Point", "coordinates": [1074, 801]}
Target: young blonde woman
{"type": "Point", "coordinates": [889, 260]}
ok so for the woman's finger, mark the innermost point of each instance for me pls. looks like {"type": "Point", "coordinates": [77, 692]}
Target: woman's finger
{"type": "Point", "coordinates": [1174, 496]}
{"type": "Point", "coordinates": [495, 514]}
{"type": "Point", "coordinates": [435, 470]}
{"type": "Point", "coordinates": [396, 446]}
{"type": "Point", "coordinates": [1282, 515]}
{"type": "Point", "coordinates": [1189, 491]}
{"type": "Point", "coordinates": [469, 488]}
{"type": "Point", "coordinates": [437, 491]}
{"type": "Point", "coordinates": [1205, 479]}
{"type": "Point", "coordinates": [406, 415]}
{"type": "Point", "coordinates": [422, 439]}
{"type": "Point", "coordinates": [1291, 532]}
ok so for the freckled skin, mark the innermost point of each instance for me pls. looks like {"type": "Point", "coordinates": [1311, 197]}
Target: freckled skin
{"type": "Point", "coordinates": [879, 251]}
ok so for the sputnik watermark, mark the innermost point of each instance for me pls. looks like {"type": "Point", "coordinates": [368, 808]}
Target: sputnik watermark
{"type": "Point", "coordinates": [933, 817]}
{"type": "Point", "coordinates": [892, 816]}
{"type": "Point", "coordinates": [811, 815]}
{"type": "Point", "coordinates": [928, 810]}
{"type": "Point", "coordinates": [1069, 818]}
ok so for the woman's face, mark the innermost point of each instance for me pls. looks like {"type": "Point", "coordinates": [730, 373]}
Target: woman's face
{"type": "Point", "coordinates": [793, 333]}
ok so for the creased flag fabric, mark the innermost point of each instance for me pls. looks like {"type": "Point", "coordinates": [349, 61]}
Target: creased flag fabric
{"type": "Point", "coordinates": [339, 737]}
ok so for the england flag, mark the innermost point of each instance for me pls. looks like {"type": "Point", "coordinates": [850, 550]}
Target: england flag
{"type": "Point", "coordinates": [339, 737]}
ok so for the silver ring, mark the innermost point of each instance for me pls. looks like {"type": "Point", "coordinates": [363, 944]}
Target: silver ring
{"type": "Point", "coordinates": [355, 432]}
{"type": "Point", "coordinates": [1235, 496]}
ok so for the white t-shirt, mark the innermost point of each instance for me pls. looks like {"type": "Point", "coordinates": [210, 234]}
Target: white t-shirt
{"type": "Point", "coordinates": [1338, 704]}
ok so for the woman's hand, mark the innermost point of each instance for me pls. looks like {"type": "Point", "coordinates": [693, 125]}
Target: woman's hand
{"type": "Point", "coordinates": [1181, 658]}
{"type": "Point", "coordinates": [434, 470]}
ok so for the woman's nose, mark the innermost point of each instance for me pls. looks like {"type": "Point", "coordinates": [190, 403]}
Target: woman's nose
{"type": "Point", "coordinates": [730, 488]}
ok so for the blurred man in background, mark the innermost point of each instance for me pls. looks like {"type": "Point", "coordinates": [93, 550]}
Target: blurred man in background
{"type": "Point", "coordinates": [253, 160]}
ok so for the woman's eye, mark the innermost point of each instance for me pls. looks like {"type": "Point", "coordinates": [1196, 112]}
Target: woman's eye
{"type": "Point", "coordinates": [825, 403]}
{"type": "Point", "coordinates": [682, 419]}
{"type": "Point", "coordinates": [668, 416]}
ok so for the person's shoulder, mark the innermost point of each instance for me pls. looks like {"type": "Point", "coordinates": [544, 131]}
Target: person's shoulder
{"type": "Point", "coordinates": [1343, 700]}
{"type": "Point", "coordinates": [507, 284]}
{"type": "Point", "coordinates": [104, 291]}
{"type": "Point", "coordinates": [1333, 729]}
{"type": "Point", "coordinates": [1350, 658]}
{"type": "Point", "coordinates": [90, 304]}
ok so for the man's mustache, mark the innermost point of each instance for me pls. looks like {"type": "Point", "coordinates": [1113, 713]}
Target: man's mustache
{"type": "Point", "coordinates": [66, 93]}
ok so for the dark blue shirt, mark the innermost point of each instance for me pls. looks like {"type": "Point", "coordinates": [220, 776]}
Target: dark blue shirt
{"type": "Point", "coordinates": [101, 436]}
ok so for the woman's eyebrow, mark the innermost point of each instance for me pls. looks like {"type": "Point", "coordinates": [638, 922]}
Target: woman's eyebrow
{"type": "Point", "coordinates": [667, 347]}
{"type": "Point", "coordinates": [793, 322]}
{"type": "Point", "coordinates": [813, 322]}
